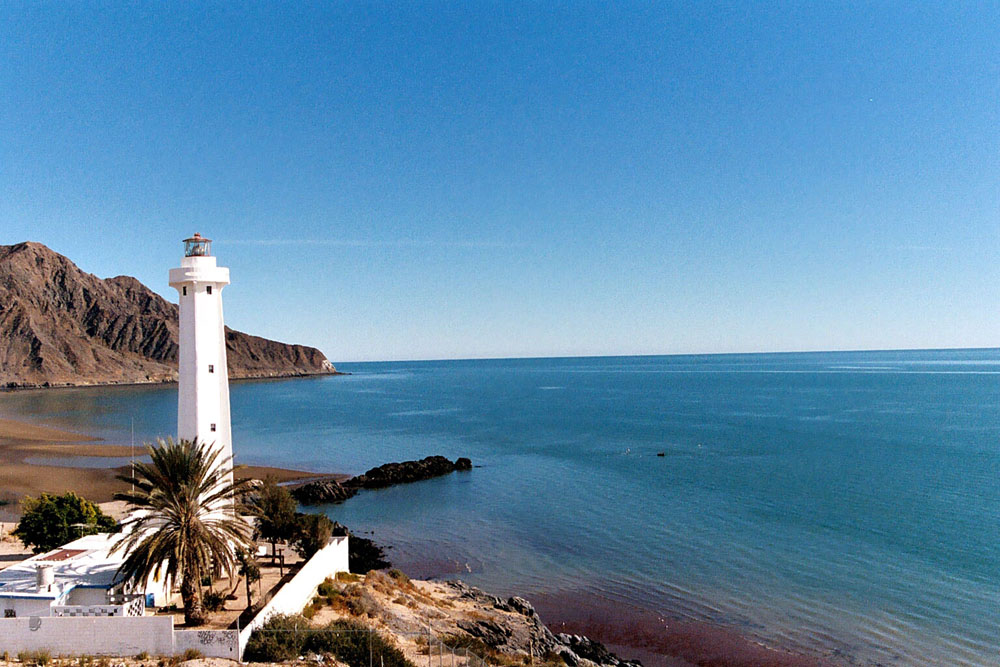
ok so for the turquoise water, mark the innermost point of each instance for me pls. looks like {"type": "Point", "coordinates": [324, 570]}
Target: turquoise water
{"type": "Point", "coordinates": [831, 502]}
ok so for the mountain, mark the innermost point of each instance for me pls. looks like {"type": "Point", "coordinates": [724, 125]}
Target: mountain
{"type": "Point", "coordinates": [62, 326]}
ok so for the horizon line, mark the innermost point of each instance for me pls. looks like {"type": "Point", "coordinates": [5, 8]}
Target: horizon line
{"type": "Point", "coordinates": [668, 354]}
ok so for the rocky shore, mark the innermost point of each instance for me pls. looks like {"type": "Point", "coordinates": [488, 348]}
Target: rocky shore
{"type": "Point", "coordinates": [501, 631]}
{"type": "Point", "coordinates": [329, 490]}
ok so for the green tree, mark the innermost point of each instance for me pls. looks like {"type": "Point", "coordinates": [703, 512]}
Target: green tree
{"type": "Point", "coordinates": [51, 521]}
{"type": "Point", "coordinates": [274, 508]}
{"type": "Point", "coordinates": [312, 533]}
{"type": "Point", "coordinates": [190, 524]}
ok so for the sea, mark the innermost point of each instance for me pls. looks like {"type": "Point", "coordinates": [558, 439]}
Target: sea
{"type": "Point", "coordinates": [841, 504]}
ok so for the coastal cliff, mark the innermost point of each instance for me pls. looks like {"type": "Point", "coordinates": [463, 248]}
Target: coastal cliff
{"type": "Point", "coordinates": [61, 326]}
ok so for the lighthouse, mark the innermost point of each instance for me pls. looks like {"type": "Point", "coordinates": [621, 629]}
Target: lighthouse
{"type": "Point", "coordinates": [203, 382]}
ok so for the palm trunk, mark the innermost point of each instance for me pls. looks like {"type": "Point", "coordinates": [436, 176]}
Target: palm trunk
{"type": "Point", "coordinates": [194, 612]}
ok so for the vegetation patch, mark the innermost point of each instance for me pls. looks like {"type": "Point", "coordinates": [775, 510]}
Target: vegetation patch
{"type": "Point", "coordinates": [288, 637]}
{"type": "Point", "coordinates": [51, 521]}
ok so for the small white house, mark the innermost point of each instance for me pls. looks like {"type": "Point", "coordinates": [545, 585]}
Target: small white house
{"type": "Point", "coordinates": [77, 579]}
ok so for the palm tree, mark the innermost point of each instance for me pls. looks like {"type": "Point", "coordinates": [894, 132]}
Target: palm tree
{"type": "Point", "coordinates": [189, 525]}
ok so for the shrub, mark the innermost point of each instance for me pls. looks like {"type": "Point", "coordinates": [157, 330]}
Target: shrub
{"type": "Point", "coordinates": [40, 658]}
{"type": "Point", "coordinates": [356, 645]}
{"type": "Point", "coordinates": [281, 638]}
{"type": "Point", "coordinates": [142, 656]}
{"type": "Point", "coordinates": [214, 601]}
{"type": "Point", "coordinates": [191, 654]}
{"type": "Point", "coordinates": [309, 612]}
{"type": "Point", "coordinates": [399, 576]}
{"type": "Point", "coordinates": [326, 588]}
{"type": "Point", "coordinates": [51, 521]}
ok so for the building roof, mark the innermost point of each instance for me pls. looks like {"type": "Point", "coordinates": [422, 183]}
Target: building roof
{"type": "Point", "coordinates": [82, 562]}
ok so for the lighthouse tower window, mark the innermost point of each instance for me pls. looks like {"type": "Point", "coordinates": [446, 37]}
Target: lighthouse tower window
{"type": "Point", "coordinates": [184, 291]}
{"type": "Point", "coordinates": [212, 428]}
{"type": "Point", "coordinates": [209, 288]}
{"type": "Point", "coordinates": [211, 368]}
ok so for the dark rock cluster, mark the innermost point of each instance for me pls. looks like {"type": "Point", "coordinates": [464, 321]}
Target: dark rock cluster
{"type": "Point", "coordinates": [62, 326]}
{"type": "Point", "coordinates": [406, 472]}
{"type": "Point", "coordinates": [324, 491]}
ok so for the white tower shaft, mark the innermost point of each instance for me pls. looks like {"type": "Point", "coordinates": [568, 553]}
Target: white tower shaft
{"type": "Point", "coordinates": [203, 382]}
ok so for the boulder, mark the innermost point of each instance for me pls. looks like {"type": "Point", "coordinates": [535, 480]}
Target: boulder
{"type": "Point", "coordinates": [322, 492]}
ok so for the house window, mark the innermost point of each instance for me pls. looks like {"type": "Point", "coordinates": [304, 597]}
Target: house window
{"type": "Point", "coordinates": [213, 428]}
{"type": "Point", "coordinates": [211, 368]}
{"type": "Point", "coordinates": [184, 291]}
{"type": "Point", "coordinates": [209, 288]}
{"type": "Point", "coordinates": [9, 613]}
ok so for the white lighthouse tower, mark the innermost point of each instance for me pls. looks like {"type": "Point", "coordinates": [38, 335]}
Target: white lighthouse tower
{"type": "Point", "coordinates": [203, 391]}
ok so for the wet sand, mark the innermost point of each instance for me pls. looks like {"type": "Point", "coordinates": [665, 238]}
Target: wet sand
{"type": "Point", "coordinates": [21, 441]}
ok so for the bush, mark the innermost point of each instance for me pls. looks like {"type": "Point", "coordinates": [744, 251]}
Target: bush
{"type": "Point", "coordinates": [191, 654]}
{"type": "Point", "coordinates": [399, 576]}
{"type": "Point", "coordinates": [51, 521]}
{"type": "Point", "coordinates": [40, 658]}
{"type": "Point", "coordinates": [287, 637]}
{"type": "Point", "coordinates": [214, 601]}
{"type": "Point", "coordinates": [326, 588]}
{"type": "Point", "coordinates": [281, 638]}
{"type": "Point", "coordinates": [356, 645]}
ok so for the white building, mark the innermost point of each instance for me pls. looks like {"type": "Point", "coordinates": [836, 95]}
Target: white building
{"type": "Point", "coordinates": [203, 381]}
{"type": "Point", "coordinates": [77, 579]}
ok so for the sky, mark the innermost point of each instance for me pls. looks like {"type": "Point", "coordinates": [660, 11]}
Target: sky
{"type": "Point", "coordinates": [435, 180]}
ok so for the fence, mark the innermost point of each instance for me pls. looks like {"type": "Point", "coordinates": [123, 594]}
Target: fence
{"type": "Point", "coordinates": [357, 647]}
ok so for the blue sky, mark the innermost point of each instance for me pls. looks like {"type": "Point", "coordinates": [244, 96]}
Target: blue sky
{"type": "Point", "coordinates": [467, 179]}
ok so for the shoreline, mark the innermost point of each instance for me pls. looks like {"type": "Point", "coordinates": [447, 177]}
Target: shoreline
{"type": "Point", "coordinates": [630, 633]}
{"type": "Point", "coordinates": [20, 477]}
{"type": "Point", "coordinates": [13, 386]}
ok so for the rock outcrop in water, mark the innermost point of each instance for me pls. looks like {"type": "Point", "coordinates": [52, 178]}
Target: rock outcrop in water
{"type": "Point", "coordinates": [62, 326]}
{"type": "Point", "coordinates": [323, 491]}
{"type": "Point", "coordinates": [406, 472]}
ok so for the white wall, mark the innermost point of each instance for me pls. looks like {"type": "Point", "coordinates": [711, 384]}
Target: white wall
{"type": "Point", "coordinates": [210, 643]}
{"type": "Point", "coordinates": [26, 606]}
{"type": "Point", "coordinates": [292, 597]}
{"type": "Point", "coordinates": [117, 635]}
{"type": "Point", "coordinates": [84, 596]}
{"type": "Point", "coordinates": [121, 636]}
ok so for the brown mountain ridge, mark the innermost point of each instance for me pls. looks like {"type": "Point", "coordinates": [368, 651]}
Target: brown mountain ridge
{"type": "Point", "coordinates": [61, 326]}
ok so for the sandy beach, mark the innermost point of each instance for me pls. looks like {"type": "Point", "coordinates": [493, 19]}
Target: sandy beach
{"type": "Point", "coordinates": [22, 444]}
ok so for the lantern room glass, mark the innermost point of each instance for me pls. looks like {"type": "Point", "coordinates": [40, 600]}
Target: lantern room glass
{"type": "Point", "coordinates": [197, 247]}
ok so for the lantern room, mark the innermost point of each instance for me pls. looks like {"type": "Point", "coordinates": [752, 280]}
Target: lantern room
{"type": "Point", "coordinates": [197, 246]}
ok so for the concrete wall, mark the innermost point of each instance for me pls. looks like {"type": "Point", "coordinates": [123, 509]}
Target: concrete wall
{"type": "Point", "coordinates": [87, 596]}
{"type": "Point", "coordinates": [25, 606]}
{"type": "Point", "coordinates": [120, 636]}
{"type": "Point", "coordinates": [210, 643]}
{"type": "Point", "coordinates": [292, 597]}
{"type": "Point", "coordinates": [117, 636]}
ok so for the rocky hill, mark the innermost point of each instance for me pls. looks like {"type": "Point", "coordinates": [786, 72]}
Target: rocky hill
{"type": "Point", "coordinates": [62, 326]}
